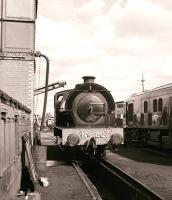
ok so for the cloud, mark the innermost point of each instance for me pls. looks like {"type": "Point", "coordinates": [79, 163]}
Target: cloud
{"type": "Point", "coordinates": [166, 4]}
{"type": "Point", "coordinates": [114, 40]}
{"type": "Point", "coordinates": [70, 10]}
{"type": "Point", "coordinates": [81, 10]}
{"type": "Point", "coordinates": [145, 21]}
{"type": "Point", "coordinates": [108, 4]}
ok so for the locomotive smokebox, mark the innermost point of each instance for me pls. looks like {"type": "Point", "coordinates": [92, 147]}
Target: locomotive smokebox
{"type": "Point", "coordinates": [88, 79]}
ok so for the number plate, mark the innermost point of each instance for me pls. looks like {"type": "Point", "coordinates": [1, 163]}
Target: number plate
{"type": "Point", "coordinates": [99, 135]}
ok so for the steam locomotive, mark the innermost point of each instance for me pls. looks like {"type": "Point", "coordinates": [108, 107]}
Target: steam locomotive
{"type": "Point", "coordinates": [147, 117]}
{"type": "Point", "coordinates": [84, 117]}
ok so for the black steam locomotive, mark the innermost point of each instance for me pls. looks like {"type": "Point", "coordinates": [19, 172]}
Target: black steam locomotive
{"type": "Point", "coordinates": [83, 117]}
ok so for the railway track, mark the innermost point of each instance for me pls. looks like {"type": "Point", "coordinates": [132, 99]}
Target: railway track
{"type": "Point", "coordinates": [135, 188]}
{"type": "Point", "coordinates": [90, 187]}
{"type": "Point", "coordinates": [104, 180]}
{"type": "Point", "coordinates": [114, 184]}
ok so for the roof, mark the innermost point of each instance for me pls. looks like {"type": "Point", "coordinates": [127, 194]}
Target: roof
{"type": "Point", "coordinates": [166, 86]}
{"type": "Point", "coordinates": [6, 98]}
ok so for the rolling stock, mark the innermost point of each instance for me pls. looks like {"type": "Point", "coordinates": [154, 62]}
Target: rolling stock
{"type": "Point", "coordinates": [148, 117]}
{"type": "Point", "coordinates": [83, 117]}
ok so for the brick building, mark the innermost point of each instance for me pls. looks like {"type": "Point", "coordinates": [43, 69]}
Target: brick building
{"type": "Point", "coordinates": [17, 47]}
{"type": "Point", "coordinates": [17, 66]}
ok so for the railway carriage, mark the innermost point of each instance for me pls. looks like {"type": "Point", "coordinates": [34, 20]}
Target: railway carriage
{"type": "Point", "coordinates": [149, 117]}
{"type": "Point", "coordinates": [83, 117]}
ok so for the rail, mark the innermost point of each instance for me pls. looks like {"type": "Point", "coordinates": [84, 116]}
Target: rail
{"type": "Point", "coordinates": [138, 187]}
{"type": "Point", "coordinates": [94, 194]}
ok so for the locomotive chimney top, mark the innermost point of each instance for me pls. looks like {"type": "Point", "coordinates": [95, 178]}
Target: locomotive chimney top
{"type": "Point", "coordinates": [88, 79]}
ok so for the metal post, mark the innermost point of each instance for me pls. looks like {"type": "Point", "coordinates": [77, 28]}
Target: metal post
{"type": "Point", "coordinates": [143, 89]}
{"type": "Point", "coordinates": [38, 54]}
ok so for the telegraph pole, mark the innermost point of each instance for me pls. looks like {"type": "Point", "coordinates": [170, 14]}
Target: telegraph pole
{"type": "Point", "coordinates": [142, 82]}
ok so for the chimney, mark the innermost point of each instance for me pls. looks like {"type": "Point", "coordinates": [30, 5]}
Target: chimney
{"type": "Point", "coordinates": [88, 79]}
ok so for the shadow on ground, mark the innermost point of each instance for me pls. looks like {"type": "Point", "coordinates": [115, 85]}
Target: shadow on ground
{"type": "Point", "coordinates": [142, 155]}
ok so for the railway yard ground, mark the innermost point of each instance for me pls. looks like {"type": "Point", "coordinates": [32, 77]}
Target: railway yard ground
{"type": "Point", "coordinates": [150, 170]}
{"type": "Point", "coordinates": [64, 181]}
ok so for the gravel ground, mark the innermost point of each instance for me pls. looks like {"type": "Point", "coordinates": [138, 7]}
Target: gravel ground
{"type": "Point", "coordinates": [152, 170]}
{"type": "Point", "coordinates": [64, 182]}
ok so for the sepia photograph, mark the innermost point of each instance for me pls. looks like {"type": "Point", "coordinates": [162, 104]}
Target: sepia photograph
{"type": "Point", "coordinates": [85, 99]}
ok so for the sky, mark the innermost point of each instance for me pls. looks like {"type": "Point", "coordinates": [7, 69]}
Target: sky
{"type": "Point", "coordinates": [114, 40]}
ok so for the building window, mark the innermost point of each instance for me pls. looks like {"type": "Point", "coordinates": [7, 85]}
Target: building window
{"type": "Point", "coordinates": [130, 112]}
{"type": "Point", "coordinates": [160, 105]}
{"type": "Point", "coordinates": [155, 105]}
{"type": "Point", "coordinates": [145, 106]}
